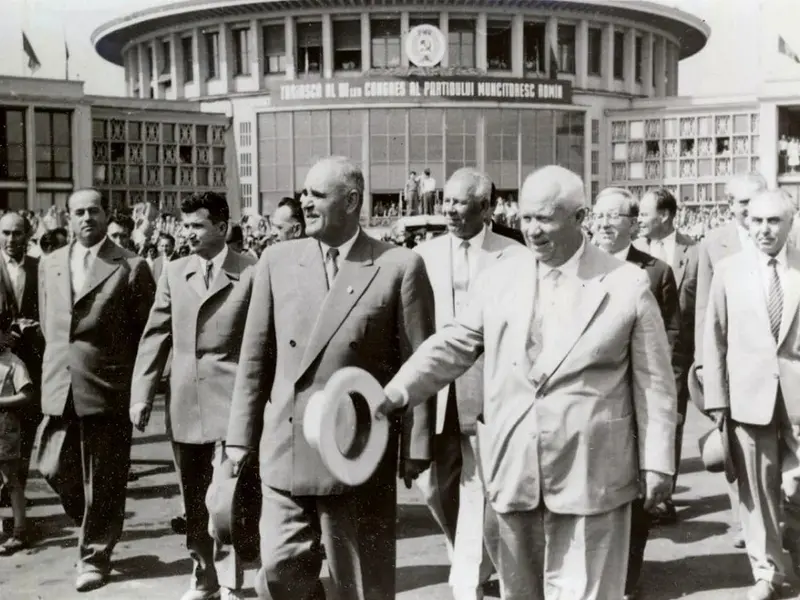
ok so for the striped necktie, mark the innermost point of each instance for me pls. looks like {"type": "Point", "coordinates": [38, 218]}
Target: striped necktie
{"type": "Point", "coordinates": [775, 299]}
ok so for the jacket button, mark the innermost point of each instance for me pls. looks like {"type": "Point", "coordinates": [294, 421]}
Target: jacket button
{"type": "Point", "coordinates": [290, 419]}
{"type": "Point", "coordinates": [353, 345]}
{"type": "Point", "coordinates": [292, 343]}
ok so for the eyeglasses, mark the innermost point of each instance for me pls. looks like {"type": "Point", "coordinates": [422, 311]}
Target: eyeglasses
{"type": "Point", "coordinates": [611, 216]}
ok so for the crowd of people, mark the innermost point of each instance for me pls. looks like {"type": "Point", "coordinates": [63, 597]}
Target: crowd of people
{"type": "Point", "coordinates": [537, 361]}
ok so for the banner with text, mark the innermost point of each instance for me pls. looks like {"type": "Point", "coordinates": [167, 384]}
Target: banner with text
{"type": "Point", "coordinates": [421, 89]}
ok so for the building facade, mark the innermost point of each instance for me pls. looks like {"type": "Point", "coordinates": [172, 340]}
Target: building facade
{"type": "Point", "coordinates": [54, 139]}
{"type": "Point", "coordinates": [506, 86]}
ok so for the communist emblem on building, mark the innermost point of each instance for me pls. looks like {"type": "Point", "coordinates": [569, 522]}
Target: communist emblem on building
{"type": "Point", "coordinates": [425, 46]}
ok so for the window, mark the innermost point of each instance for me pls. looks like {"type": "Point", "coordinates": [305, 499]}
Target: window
{"type": "Point", "coordinates": [426, 143]}
{"type": "Point", "coordinates": [538, 148]}
{"type": "Point", "coordinates": [595, 131]}
{"type": "Point", "coordinates": [423, 19]}
{"type": "Point", "coordinates": [346, 133]}
{"type": "Point", "coordinates": [533, 45]}
{"type": "Point", "coordinates": [309, 48]}
{"type": "Point", "coordinates": [595, 59]}
{"type": "Point", "coordinates": [461, 139]}
{"type": "Point", "coordinates": [619, 55]}
{"type": "Point", "coordinates": [461, 43]}
{"type": "Point", "coordinates": [188, 59]}
{"type": "Point", "coordinates": [246, 192]}
{"type": "Point", "coordinates": [502, 147]}
{"type": "Point", "coordinates": [245, 164]}
{"type": "Point", "coordinates": [311, 139]}
{"type": "Point", "coordinates": [595, 162]}
{"type": "Point", "coordinates": [245, 137]}
{"type": "Point", "coordinates": [53, 145]}
{"type": "Point", "coordinates": [387, 147]}
{"type": "Point", "coordinates": [274, 158]}
{"type": "Point", "coordinates": [13, 199]}
{"type": "Point", "coordinates": [241, 51]}
{"type": "Point", "coordinates": [347, 45]}
{"type": "Point", "coordinates": [212, 54]}
{"type": "Point", "coordinates": [274, 49]}
{"type": "Point", "coordinates": [12, 144]}
{"type": "Point", "coordinates": [570, 140]}
{"type": "Point", "coordinates": [639, 49]}
{"type": "Point", "coordinates": [150, 60]}
{"type": "Point", "coordinates": [166, 54]}
{"type": "Point", "coordinates": [385, 34]}
{"type": "Point", "coordinates": [566, 49]}
{"type": "Point", "coordinates": [498, 45]}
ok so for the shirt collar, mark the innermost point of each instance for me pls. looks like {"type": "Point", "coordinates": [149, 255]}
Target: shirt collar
{"type": "Point", "coordinates": [670, 238]}
{"type": "Point", "coordinates": [93, 250]}
{"type": "Point", "coordinates": [623, 254]}
{"type": "Point", "coordinates": [10, 261]}
{"type": "Point", "coordinates": [569, 268]}
{"type": "Point", "coordinates": [344, 249]}
{"type": "Point", "coordinates": [476, 241]}
{"type": "Point", "coordinates": [217, 261]}
{"type": "Point", "coordinates": [780, 257]}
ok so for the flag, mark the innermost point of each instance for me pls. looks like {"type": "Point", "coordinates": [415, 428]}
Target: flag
{"type": "Point", "coordinates": [553, 53]}
{"type": "Point", "coordinates": [786, 50]}
{"type": "Point", "coordinates": [33, 60]}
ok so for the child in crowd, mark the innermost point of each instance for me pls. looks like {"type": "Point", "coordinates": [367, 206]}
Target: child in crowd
{"type": "Point", "coordinates": [16, 390]}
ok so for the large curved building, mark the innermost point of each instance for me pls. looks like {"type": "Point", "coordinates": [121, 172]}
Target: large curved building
{"type": "Point", "coordinates": [506, 85]}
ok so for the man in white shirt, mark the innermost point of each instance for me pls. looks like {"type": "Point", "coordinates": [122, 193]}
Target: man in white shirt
{"type": "Point", "coordinates": [452, 487]}
{"type": "Point", "coordinates": [427, 187]}
{"type": "Point", "coordinates": [752, 375]}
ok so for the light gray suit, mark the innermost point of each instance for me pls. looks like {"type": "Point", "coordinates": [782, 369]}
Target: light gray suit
{"type": "Point", "coordinates": [563, 434]}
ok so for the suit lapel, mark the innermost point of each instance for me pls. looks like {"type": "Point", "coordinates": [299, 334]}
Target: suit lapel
{"type": "Point", "coordinates": [679, 262]}
{"type": "Point", "coordinates": [10, 299]}
{"type": "Point", "coordinates": [194, 277]}
{"type": "Point", "coordinates": [791, 294]}
{"type": "Point", "coordinates": [61, 267]}
{"type": "Point", "coordinates": [105, 263]}
{"type": "Point", "coordinates": [751, 284]}
{"type": "Point", "coordinates": [227, 275]}
{"type": "Point", "coordinates": [356, 272]}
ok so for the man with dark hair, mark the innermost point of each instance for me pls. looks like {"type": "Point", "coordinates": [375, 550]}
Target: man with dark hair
{"type": "Point", "coordinates": [499, 229]}
{"type": "Point", "coordinates": [120, 229]}
{"type": "Point", "coordinates": [94, 298]}
{"type": "Point", "coordinates": [53, 240]}
{"type": "Point", "coordinates": [199, 315]}
{"type": "Point", "coordinates": [235, 238]}
{"type": "Point", "coordinates": [288, 222]}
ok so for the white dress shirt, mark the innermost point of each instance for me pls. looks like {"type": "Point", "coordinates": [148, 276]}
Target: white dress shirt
{"type": "Point", "coordinates": [16, 272]}
{"type": "Point", "coordinates": [556, 296]}
{"type": "Point", "coordinates": [76, 264]}
{"type": "Point", "coordinates": [473, 252]}
{"type": "Point", "coordinates": [666, 250]}
{"type": "Point", "coordinates": [216, 264]}
{"type": "Point", "coordinates": [344, 251]}
{"type": "Point", "coordinates": [623, 254]}
{"type": "Point", "coordinates": [428, 185]}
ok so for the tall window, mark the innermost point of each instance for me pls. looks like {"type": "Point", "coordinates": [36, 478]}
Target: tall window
{"type": "Point", "coordinates": [188, 59]}
{"type": "Point", "coordinates": [498, 45]}
{"type": "Point", "coordinates": [619, 55]}
{"type": "Point", "coordinates": [460, 139]}
{"type": "Point", "coordinates": [639, 49]}
{"type": "Point", "coordinates": [426, 144]}
{"type": "Point", "coordinates": [347, 133]}
{"type": "Point", "coordinates": [461, 43]}
{"type": "Point", "coordinates": [274, 133]}
{"type": "Point", "coordinates": [274, 48]}
{"type": "Point", "coordinates": [502, 146]}
{"type": "Point", "coordinates": [347, 45]}
{"type": "Point", "coordinates": [53, 145]}
{"type": "Point", "coordinates": [309, 48]}
{"type": "Point", "coordinates": [595, 49]}
{"type": "Point", "coordinates": [566, 49]}
{"type": "Point", "coordinates": [241, 51]}
{"type": "Point", "coordinates": [311, 133]}
{"type": "Point", "coordinates": [385, 34]}
{"type": "Point", "coordinates": [212, 54]}
{"type": "Point", "coordinates": [533, 35]}
{"type": "Point", "coordinates": [12, 144]}
{"type": "Point", "coordinates": [166, 57]}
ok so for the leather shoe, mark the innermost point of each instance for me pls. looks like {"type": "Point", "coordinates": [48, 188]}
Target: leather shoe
{"type": "Point", "coordinates": [200, 595]}
{"type": "Point", "coordinates": [90, 580]}
{"type": "Point", "coordinates": [762, 590]}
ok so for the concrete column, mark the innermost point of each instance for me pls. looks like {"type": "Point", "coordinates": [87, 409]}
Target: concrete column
{"type": "Point", "coordinates": [647, 66]}
{"type": "Point", "coordinates": [582, 54]}
{"type": "Point", "coordinates": [481, 24]}
{"type": "Point", "coordinates": [144, 71]}
{"type": "Point", "coordinates": [659, 76]}
{"type": "Point", "coordinates": [444, 27]}
{"type": "Point", "coordinates": [199, 54]}
{"type": "Point", "coordinates": [768, 142]}
{"type": "Point", "coordinates": [405, 26]}
{"type": "Point", "coordinates": [517, 45]}
{"type": "Point", "coordinates": [83, 171]}
{"type": "Point", "coordinates": [608, 57]}
{"type": "Point", "coordinates": [366, 46]}
{"type": "Point", "coordinates": [327, 46]}
{"type": "Point", "coordinates": [672, 69]}
{"type": "Point", "coordinates": [227, 61]}
{"type": "Point", "coordinates": [587, 157]}
{"type": "Point", "coordinates": [176, 73]}
{"type": "Point", "coordinates": [366, 206]}
{"type": "Point", "coordinates": [158, 67]}
{"type": "Point", "coordinates": [550, 44]}
{"type": "Point", "coordinates": [256, 53]}
{"type": "Point", "coordinates": [30, 155]}
{"type": "Point", "coordinates": [630, 61]}
{"type": "Point", "coordinates": [291, 48]}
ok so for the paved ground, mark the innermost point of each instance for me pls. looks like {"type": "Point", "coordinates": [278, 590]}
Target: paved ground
{"type": "Point", "coordinates": [694, 559]}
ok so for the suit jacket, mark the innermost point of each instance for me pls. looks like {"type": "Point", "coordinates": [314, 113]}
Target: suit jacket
{"type": "Point", "coordinates": [509, 232]}
{"type": "Point", "coordinates": [92, 337]}
{"type": "Point", "coordinates": [298, 334]}
{"type": "Point", "coordinates": [743, 364]}
{"type": "Point", "coordinates": [684, 268]}
{"type": "Point", "coordinates": [718, 244]}
{"type": "Point", "coordinates": [437, 254]}
{"type": "Point", "coordinates": [203, 329]}
{"type": "Point", "coordinates": [563, 428]}
{"type": "Point", "coordinates": [158, 268]}
{"type": "Point", "coordinates": [30, 348]}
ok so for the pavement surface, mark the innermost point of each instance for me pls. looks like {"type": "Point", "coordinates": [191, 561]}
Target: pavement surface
{"type": "Point", "coordinates": [692, 559]}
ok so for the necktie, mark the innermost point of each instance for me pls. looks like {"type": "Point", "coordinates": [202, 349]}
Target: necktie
{"type": "Point", "coordinates": [775, 299]}
{"type": "Point", "coordinates": [17, 283]}
{"type": "Point", "coordinates": [208, 273]}
{"type": "Point", "coordinates": [460, 275]}
{"type": "Point", "coordinates": [546, 311]}
{"type": "Point", "coordinates": [83, 269]}
{"type": "Point", "coordinates": [333, 265]}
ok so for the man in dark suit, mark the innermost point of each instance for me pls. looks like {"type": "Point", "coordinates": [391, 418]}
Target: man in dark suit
{"type": "Point", "coordinates": [500, 229]}
{"type": "Point", "coordinates": [659, 238]}
{"type": "Point", "coordinates": [364, 303]}
{"type": "Point", "coordinates": [20, 297]}
{"type": "Point", "coordinates": [94, 298]}
{"type": "Point", "coordinates": [166, 248]}
{"type": "Point", "coordinates": [199, 314]}
{"type": "Point", "coordinates": [615, 215]}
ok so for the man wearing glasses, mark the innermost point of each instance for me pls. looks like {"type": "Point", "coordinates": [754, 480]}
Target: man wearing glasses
{"type": "Point", "coordinates": [719, 243]}
{"type": "Point", "coordinates": [615, 216]}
